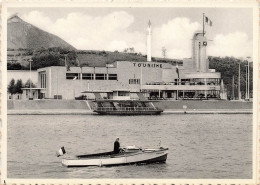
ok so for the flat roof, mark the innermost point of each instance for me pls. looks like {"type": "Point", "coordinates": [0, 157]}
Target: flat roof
{"type": "Point", "coordinates": [33, 88]}
{"type": "Point", "coordinates": [111, 100]}
{"type": "Point", "coordinates": [107, 91]}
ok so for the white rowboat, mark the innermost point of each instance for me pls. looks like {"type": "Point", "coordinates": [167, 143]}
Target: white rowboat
{"type": "Point", "coordinates": [129, 156]}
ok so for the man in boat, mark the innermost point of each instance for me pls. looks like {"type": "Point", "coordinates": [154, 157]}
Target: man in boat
{"type": "Point", "coordinates": [117, 146]}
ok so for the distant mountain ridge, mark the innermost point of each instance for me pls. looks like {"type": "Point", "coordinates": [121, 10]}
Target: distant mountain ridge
{"type": "Point", "coordinates": [21, 34]}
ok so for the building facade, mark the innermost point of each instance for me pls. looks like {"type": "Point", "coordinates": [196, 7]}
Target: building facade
{"type": "Point", "coordinates": [157, 80]}
{"type": "Point", "coordinates": [190, 79]}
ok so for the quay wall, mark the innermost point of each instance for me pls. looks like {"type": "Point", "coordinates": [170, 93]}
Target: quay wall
{"type": "Point", "coordinates": [205, 104]}
{"type": "Point", "coordinates": [82, 104]}
{"type": "Point", "coordinates": [46, 104]}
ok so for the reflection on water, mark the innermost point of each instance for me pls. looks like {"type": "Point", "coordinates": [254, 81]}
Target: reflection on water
{"type": "Point", "coordinates": [200, 146]}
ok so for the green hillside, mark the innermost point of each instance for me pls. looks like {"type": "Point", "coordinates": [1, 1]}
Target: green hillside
{"type": "Point", "coordinates": [19, 59]}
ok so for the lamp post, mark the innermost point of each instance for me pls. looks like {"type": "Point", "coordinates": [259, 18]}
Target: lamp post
{"type": "Point", "coordinates": [30, 62]}
{"type": "Point", "coordinates": [248, 83]}
{"type": "Point", "coordinates": [246, 96]}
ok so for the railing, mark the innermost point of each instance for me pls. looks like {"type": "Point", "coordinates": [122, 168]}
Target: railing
{"type": "Point", "coordinates": [124, 108]}
{"type": "Point", "coordinates": [184, 83]}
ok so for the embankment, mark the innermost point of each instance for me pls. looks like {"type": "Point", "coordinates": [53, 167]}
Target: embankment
{"type": "Point", "coordinates": [205, 104]}
{"type": "Point", "coordinates": [46, 104]}
{"type": "Point", "coordinates": [55, 107]}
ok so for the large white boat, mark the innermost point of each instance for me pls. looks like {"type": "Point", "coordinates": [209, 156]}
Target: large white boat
{"type": "Point", "coordinates": [130, 155]}
{"type": "Point", "coordinates": [119, 102]}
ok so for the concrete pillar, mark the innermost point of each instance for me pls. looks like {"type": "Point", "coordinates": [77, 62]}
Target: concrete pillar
{"type": "Point", "coordinates": [203, 57]}
{"type": "Point", "coordinates": [205, 81]}
{"type": "Point", "coordinates": [94, 74]}
{"type": "Point", "coordinates": [163, 94]}
{"type": "Point", "coordinates": [197, 55]}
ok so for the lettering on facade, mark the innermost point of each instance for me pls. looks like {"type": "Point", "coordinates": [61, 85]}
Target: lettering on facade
{"type": "Point", "coordinates": [147, 65]}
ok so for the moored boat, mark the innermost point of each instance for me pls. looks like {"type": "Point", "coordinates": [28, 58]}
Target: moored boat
{"type": "Point", "coordinates": [119, 102]}
{"type": "Point", "coordinates": [130, 155]}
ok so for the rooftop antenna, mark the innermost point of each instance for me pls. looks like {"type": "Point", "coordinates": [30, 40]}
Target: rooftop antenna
{"type": "Point", "coordinates": [164, 51]}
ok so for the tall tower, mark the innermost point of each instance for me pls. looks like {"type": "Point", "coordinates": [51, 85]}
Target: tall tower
{"type": "Point", "coordinates": [149, 42]}
{"type": "Point", "coordinates": [199, 55]}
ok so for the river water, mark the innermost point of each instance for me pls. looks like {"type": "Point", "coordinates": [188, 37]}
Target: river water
{"type": "Point", "coordinates": [200, 145]}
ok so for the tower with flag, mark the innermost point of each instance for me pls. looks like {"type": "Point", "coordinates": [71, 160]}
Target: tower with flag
{"type": "Point", "coordinates": [206, 21]}
{"type": "Point", "coordinates": [199, 47]}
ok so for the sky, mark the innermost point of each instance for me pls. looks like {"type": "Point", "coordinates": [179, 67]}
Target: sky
{"type": "Point", "coordinates": [113, 29]}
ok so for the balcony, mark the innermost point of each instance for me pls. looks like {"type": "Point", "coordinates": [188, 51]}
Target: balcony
{"type": "Point", "coordinates": [182, 86]}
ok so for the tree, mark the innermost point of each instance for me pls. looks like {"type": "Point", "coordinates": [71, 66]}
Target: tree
{"type": "Point", "coordinates": [228, 66]}
{"type": "Point", "coordinates": [45, 60]}
{"type": "Point", "coordinates": [18, 87]}
{"type": "Point", "coordinates": [27, 84]}
{"type": "Point", "coordinates": [132, 50]}
{"type": "Point", "coordinates": [71, 59]}
{"type": "Point", "coordinates": [14, 66]}
{"type": "Point", "coordinates": [11, 87]}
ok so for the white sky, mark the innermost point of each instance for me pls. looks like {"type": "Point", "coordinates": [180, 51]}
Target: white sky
{"type": "Point", "coordinates": [119, 28]}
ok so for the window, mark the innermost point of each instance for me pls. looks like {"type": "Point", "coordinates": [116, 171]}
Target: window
{"type": "Point", "coordinates": [43, 80]}
{"type": "Point", "coordinates": [101, 76]}
{"type": "Point", "coordinates": [87, 76]}
{"type": "Point", "coordinates": [71, 76]}
{"type": "Point", "coordinates": [112, 76]}
{"type": "Point", "coordinates": [121, 93]}
{"type": "Point", "coordinates": [134, 81]}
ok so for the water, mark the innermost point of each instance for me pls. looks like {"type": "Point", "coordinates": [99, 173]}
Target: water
{"type": "Point", "coordinates": [200, 146]}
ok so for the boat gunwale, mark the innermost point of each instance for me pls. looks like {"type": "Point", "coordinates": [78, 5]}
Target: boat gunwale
{"type": "Point", "coordinates": [164, 156]}
{"type": "Point", "coordinates": [127, 154]}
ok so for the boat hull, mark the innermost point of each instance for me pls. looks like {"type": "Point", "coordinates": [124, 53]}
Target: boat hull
{"type": "Point", "coordinates": [141, 157]}
{"type": "Point", "coordinates": [153, 112]}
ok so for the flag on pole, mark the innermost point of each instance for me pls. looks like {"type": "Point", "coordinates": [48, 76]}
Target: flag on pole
{"type": "Point", "coordinates": [208, 21]}
{"type": "Point", "coordinates": [61, 152]}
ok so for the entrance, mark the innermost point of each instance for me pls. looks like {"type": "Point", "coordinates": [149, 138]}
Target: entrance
{"type": "Point", "coordinates": [41, 95]}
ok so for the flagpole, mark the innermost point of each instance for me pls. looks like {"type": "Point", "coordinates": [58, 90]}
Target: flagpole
{"type": "Point", "coordinates": [239, 92]}
{"type": "Point", "coordinates": [203, 24]}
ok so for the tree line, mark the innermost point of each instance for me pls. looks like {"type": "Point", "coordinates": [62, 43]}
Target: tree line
{"type": "Point", "coordinates": [229, 67]}
{"type": "Point", "coordinates": [42, 57]}
{"type": "Point", "coordinates": [16, 87]}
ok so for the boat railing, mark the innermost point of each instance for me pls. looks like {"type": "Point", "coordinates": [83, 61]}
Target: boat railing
{"type": "Point", "coordinates": [125, 108]}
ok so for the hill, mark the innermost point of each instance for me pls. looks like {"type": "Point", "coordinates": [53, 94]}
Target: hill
{"type": "Point", "coordinates": [18, 59]}
{"type": "Point", "coordinates": [22, 35]}
{"type": "Point", "coordinates": [101, 58]}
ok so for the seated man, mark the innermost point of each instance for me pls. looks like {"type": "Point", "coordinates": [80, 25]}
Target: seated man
{"type": "Point", "coordinates": [116, 146]}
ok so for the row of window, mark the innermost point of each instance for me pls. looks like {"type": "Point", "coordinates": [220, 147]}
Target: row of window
{"type": "Point", "coordinates": [91, 76]}
{"type": "Point", "coordinates": [134, 81]}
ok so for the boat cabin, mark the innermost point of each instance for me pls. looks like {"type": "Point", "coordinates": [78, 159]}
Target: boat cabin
{"type": "Point", "coordinates": [119, 95]}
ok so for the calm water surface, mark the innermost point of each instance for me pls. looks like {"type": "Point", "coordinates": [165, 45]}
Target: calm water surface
{"type": "Point", "coordinates": [200, 146]}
